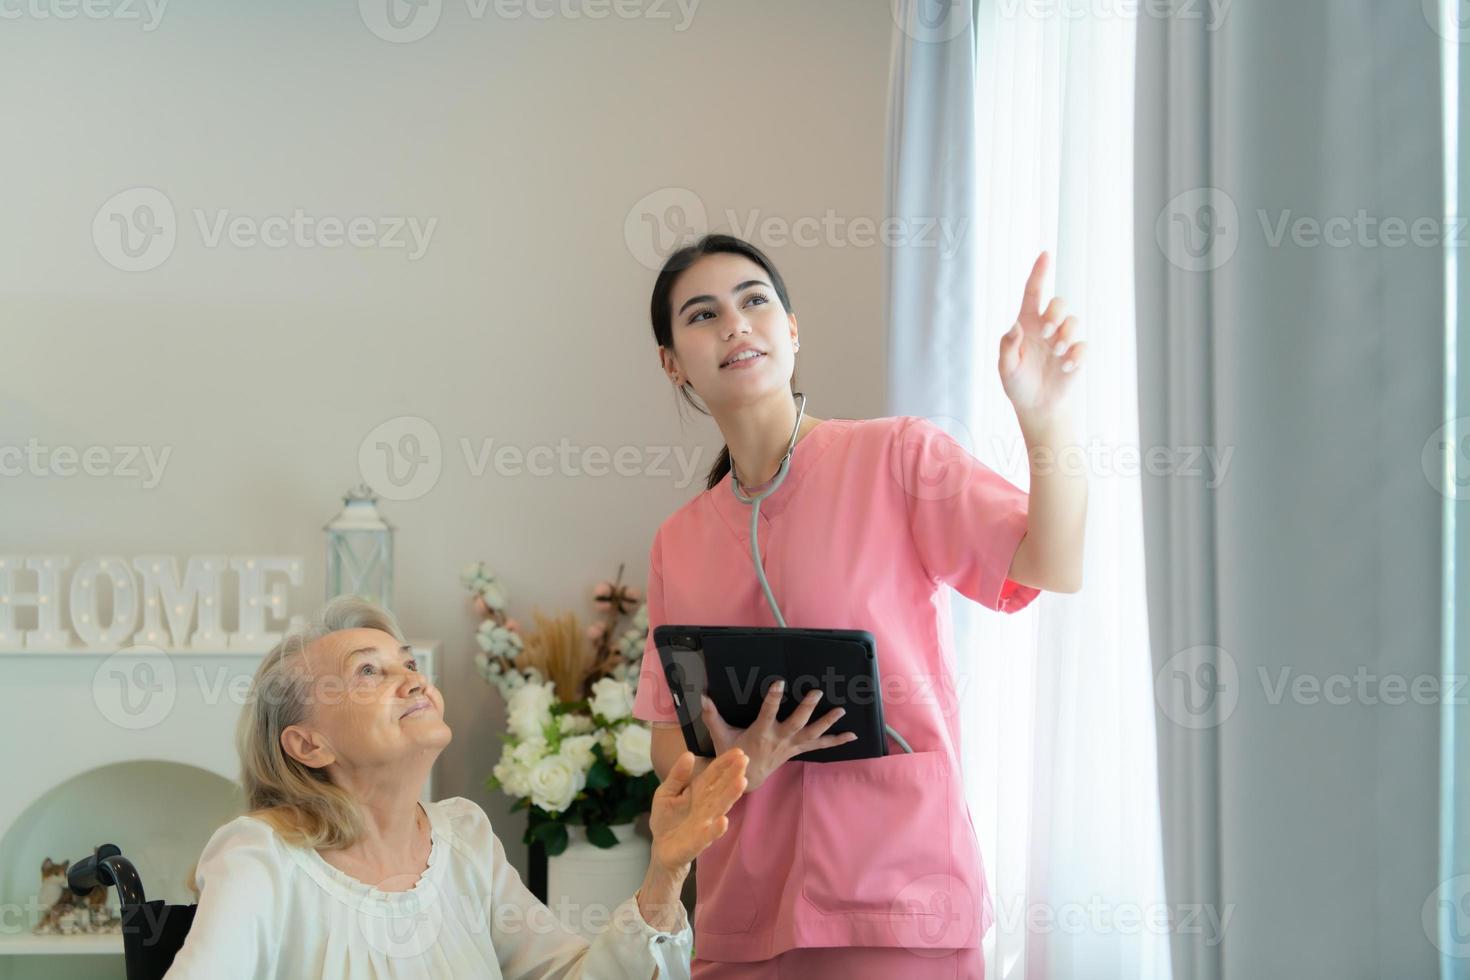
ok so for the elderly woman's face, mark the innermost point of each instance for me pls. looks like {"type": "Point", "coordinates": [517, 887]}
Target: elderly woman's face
{"type": "Point", "coordinates": [369, 704]}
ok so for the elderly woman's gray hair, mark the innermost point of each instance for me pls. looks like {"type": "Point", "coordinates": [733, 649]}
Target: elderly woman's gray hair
{"type": "Point", "coordinates": [300, 802]}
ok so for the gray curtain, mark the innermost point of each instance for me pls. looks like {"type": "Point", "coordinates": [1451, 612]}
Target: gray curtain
{"type": "Point", "coordinates": [1454, 870]}
{"type": "Point", "coordinates": [931, 176]}
{"type": "Point", "coordinates": [1320, 367]}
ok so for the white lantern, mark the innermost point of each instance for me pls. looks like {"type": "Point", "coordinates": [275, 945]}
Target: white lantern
{"type": "Point", "coordinates": [360, 550]}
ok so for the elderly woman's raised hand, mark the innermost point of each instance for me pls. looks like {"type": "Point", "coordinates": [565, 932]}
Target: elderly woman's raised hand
{"type": "Point", "coordinates": [688, 815]}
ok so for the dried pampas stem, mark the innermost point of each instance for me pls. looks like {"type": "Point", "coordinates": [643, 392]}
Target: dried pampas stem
{"type": "Point", "coordinates": [558, 648]}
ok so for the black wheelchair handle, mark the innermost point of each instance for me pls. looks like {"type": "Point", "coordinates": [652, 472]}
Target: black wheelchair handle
{"type": "Point", "coordinates": [104, 868]}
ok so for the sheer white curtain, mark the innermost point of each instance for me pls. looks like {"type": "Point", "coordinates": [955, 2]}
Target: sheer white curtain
{"type": "Point", "coordinates": [1063, 776]}
{"type": "Point", "coordinates": [1058, 702]}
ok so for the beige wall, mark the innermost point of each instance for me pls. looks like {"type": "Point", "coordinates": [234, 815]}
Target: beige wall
{"type": "Point", "coordinates": [261, 370]}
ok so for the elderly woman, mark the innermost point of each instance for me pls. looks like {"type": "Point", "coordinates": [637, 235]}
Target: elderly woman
{"type": "Point", "coordinates": [339, 871]}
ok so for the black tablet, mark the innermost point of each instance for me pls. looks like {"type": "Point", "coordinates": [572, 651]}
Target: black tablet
{"type": "Point", "coordinates": [735, 665]}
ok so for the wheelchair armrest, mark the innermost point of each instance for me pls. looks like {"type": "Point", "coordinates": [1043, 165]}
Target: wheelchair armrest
{"type": "Point", "coordinates": [105, 867]}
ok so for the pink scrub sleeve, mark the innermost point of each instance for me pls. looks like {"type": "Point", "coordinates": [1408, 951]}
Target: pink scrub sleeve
{"type": "Point", "coordinates": [966, 519]}
{"type": "Point", "coordinates": [653, 701]}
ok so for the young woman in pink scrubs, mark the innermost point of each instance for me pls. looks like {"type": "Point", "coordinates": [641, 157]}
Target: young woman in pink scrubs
{"type": "Point", "coordinates": [866, 868]}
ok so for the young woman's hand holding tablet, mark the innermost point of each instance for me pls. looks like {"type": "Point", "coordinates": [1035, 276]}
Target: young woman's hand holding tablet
{"type": "Point", "coordinates": [768, 743]}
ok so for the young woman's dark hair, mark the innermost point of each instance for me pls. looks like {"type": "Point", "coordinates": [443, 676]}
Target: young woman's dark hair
{"type": "Point", "coordinates": [662, 312]}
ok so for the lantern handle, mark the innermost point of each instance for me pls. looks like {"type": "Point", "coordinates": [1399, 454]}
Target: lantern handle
{"type": "Point", "coordinates": [361, 492]}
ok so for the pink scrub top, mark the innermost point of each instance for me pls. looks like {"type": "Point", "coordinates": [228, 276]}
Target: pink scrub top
{"type": "Point", "coordinates": [876, 519]}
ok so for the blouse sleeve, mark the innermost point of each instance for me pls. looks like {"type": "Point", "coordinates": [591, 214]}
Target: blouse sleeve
{"type": "Point", "coordinates": [654, 701]}
{"type": "Point", "coordinates": [532, 944]}
{"type": "Point", "coordinates": [966, 520]}
{"type": "Point", "coordinates": [239, 878]}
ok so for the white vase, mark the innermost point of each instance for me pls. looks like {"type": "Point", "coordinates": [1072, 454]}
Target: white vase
{"type": "Point", "coordinates": [585, 882]}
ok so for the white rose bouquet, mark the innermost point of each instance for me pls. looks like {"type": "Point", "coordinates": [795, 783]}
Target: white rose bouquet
{"type": "Point", "coordinates": [574, 755]}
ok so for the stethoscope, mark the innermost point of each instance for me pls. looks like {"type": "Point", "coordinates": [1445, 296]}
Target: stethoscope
{"type": "Point", "coordinates": [755, 515]}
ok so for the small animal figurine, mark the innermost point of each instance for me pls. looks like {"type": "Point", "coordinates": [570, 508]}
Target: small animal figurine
{"type": "Point", "coordinates": [68, 914]}
{"type": "Point", "coordinates": [57, 900]}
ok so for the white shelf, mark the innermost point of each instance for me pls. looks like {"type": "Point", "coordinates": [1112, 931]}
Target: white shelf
{"type": "Point", "coordinates": [26, 944]}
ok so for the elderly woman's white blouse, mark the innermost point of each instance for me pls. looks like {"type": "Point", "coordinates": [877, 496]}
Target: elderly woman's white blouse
{"type": "Point", "coordinates": [272, 909]}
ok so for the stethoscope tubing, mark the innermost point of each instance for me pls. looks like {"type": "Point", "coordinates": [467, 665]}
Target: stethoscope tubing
{"type": "Point", "coordinates": [755, 512]}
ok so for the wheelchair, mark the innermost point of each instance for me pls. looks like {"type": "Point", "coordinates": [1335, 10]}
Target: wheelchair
{"type": "Point", "coordinates": [152, 932]}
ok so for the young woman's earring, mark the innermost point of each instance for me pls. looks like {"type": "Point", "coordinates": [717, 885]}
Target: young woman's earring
{"type": "Point", "coordinates": [796, 347]}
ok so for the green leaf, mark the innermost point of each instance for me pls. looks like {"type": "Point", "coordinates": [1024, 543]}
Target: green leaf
{"type": "Point", "coordinates": [520, 804]}
{"type": "Point", "coordinates": [601, 835]}
{"type": "Point", "coordinates": [555, 839]}
{"type": "Point", "coordinates": [600, 776]}
{"type": "Point", "coordinates": [627, 810]}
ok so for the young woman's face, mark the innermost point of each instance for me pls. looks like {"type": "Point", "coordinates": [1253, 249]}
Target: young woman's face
{"type": "Point", "coordinates": [370, 706]}
{"type": "Point", "coordinates": [723, 304]}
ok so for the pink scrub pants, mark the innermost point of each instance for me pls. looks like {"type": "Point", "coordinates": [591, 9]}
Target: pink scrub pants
{"type": "Point", "coordinates": [851, 963]}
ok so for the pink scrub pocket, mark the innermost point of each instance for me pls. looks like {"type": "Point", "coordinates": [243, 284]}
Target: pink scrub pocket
{"type": "Point", "coordinates": [874, 828]}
